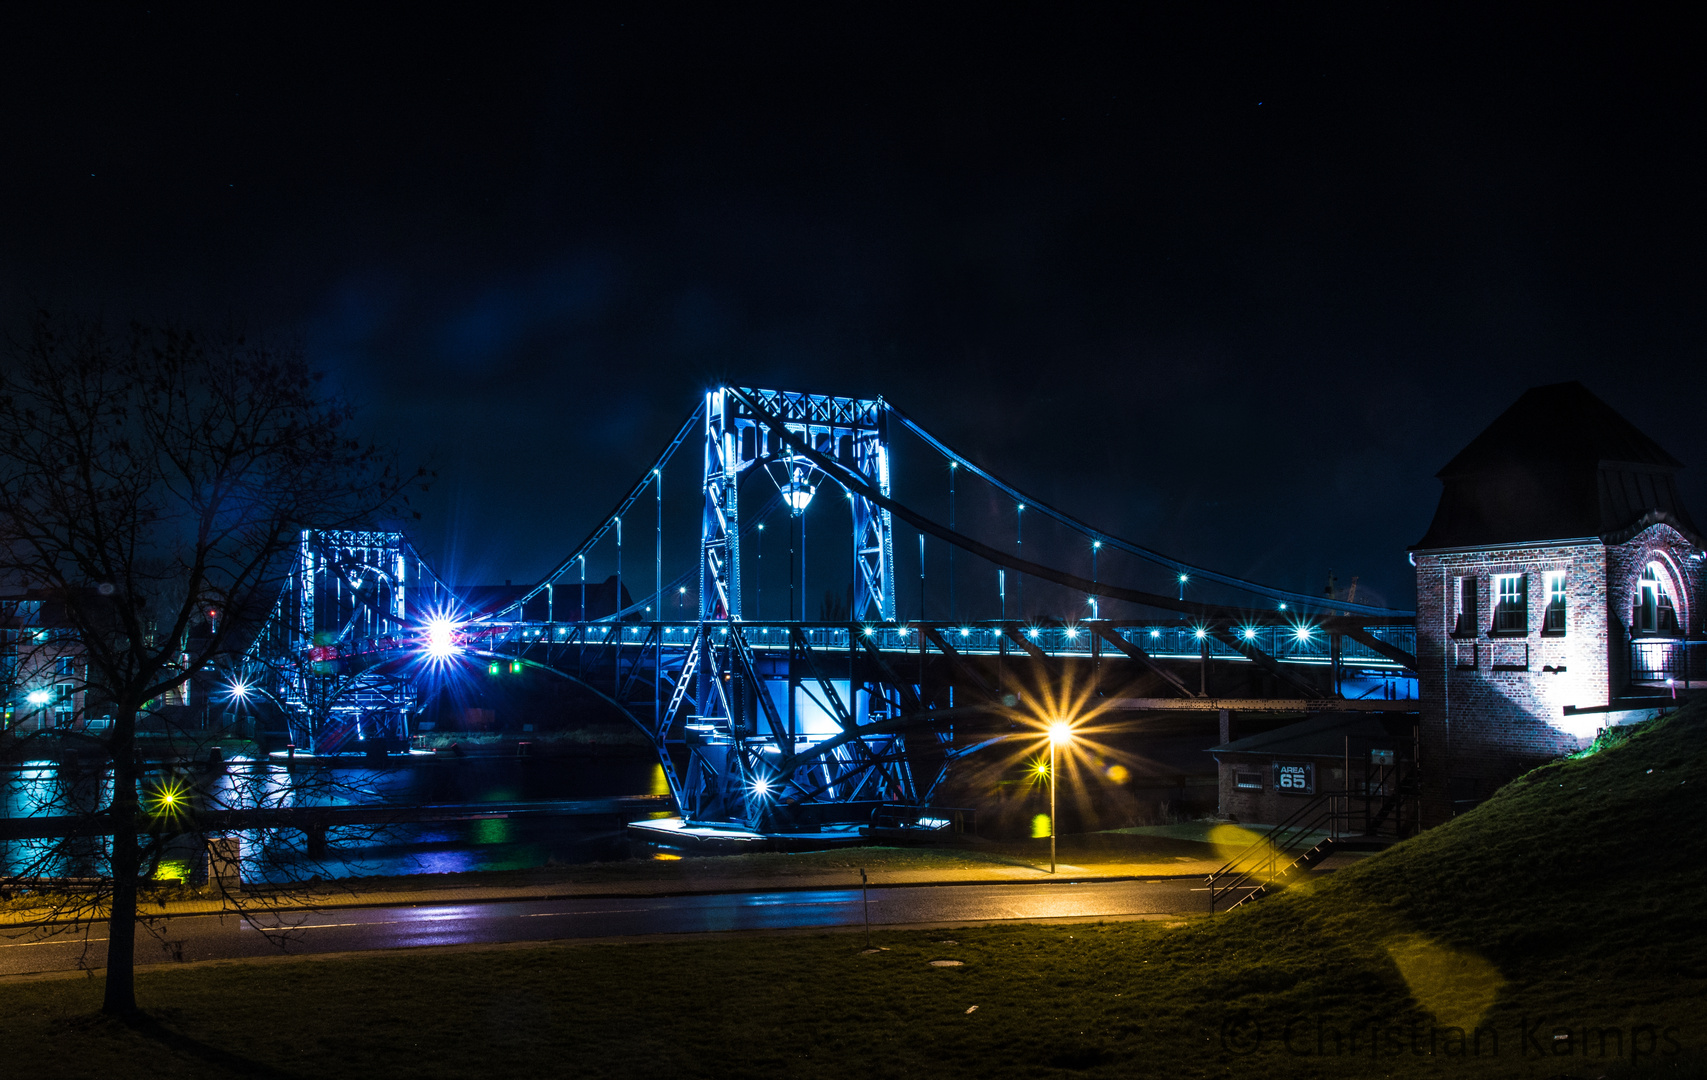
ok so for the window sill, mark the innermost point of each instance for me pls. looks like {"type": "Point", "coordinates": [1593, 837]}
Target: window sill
{"type": "Point", "coordinates": [1553, 633]}
{"type": "Point", "coordinates": [1509, 633]}
{"type": "Point", "coordinates": [1511, 667]}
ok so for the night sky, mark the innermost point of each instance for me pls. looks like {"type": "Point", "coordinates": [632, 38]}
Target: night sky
{"type": "Point", "coordinates": [1231, 283]}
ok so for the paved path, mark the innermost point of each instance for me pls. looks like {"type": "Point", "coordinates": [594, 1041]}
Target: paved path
{"type": "Point", "coordinates": [215, 937]}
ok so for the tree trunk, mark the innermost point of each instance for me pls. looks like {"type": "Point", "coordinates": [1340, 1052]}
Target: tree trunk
{"type": "Point", "coordinates": [120, 999]}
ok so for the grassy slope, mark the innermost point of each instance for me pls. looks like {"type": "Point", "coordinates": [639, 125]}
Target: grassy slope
{"type": "Point", "coordinates": [1574, 895]}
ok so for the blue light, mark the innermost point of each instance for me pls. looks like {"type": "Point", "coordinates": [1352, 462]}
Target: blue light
{"type": "Point", "coordinates": [1072, 633]}
{"type": "Point", "coordinates": [964, 632]}
{"type": "Point", "coordinates": [1032, 633]}
{"type": "Point", "coordinates": [1198, 633]}
{"type": "Point", "coordinates": [1303, 633]}
{"type": "Point", "coordinates": [1250, 633]}
{"type": "Point", "coordinates": [868, 631]}
{"type": "Point", "coordinates": [1155, 633]}
{"type": "Point", "coordinates": [441, 638]}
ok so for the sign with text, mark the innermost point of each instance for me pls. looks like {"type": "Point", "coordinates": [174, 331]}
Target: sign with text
{"type": "Point", "coordinates": [1295, 777]}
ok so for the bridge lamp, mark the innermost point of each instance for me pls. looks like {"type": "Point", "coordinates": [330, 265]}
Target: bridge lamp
{"type": "Point", "coordinates": [869, 631]}
{"type": "Point", "coordinates": [797, 478]}
{"type": "Point", "coordinates": [1198, 633]}
{"type": "Point", "coordinates": [761, 786]}
{"type": "Point", "coordinates": [441, 638]}
{"type": "Point", "coordinates": [1155, 633]}
{"type": "Point", "coordinates": [1072, 633]}
{"type": "Point", "coordinates": [239, 689]}
{"type": "Point", "coordinates": [1302, 633]}
{"type": "Point", "coordinates": [965, 631]}
{"type": "Point", "coordinates": [1250, 633]}
{"type": "Point", "coordinates": [1032, 633]}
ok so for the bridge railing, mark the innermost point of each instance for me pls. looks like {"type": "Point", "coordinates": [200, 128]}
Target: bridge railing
{"type": "Point", "coordinates": [1166, 640]}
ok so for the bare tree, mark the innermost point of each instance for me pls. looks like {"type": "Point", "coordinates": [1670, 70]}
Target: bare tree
{"type": "Point", "coordinates": [153, 483]}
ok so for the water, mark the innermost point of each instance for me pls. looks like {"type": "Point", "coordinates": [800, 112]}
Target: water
{"type": "Point", "coordinates": [48, 788]}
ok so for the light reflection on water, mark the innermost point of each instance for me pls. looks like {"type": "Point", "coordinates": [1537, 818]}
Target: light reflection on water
{"type": "Point", "coordinates": [45, 788]}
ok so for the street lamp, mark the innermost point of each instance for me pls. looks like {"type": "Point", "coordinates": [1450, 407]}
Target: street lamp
{"type": "Point", "coordinates": [1059, 732]}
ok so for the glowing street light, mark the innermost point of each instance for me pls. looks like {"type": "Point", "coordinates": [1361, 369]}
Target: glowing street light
{"type": "Point", "coordinates": [441, 638]}
{"type": "Point", "coordinates": [39, 697]}
{"type": "Point", "coordinates": [1059, 732]}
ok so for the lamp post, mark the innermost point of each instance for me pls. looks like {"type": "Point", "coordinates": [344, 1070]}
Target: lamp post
{"type": "Point", "coordinates": [1059, 732]}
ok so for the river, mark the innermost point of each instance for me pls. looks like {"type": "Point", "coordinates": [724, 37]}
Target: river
{"type": "Point", "coordinates": [44, 788]}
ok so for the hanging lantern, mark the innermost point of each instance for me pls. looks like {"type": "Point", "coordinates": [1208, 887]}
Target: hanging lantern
{"type": "Point", "coordinates": [797, 478]}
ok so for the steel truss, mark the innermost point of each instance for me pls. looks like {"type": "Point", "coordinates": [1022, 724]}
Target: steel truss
{"type": "Point", "coordinates": [769, 724]}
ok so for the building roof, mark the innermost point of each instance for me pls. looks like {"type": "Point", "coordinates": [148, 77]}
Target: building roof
{"type": "Point", "coordinates": [1322, 735]}
{"type": "Point", "coordinates": [1558, 464]}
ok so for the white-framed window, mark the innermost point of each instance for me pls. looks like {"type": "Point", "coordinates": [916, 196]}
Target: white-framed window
{"type": "Point", "coordinates": [1558, 582]}
{"type": "Point", "coordinates": [1656, 614]}
{"type": "Point", "coordinates": [1511, 605]}
{"type": "Point", "coordinates": [1464, 607]}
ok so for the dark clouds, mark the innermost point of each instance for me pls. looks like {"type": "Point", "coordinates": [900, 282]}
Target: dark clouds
{"type": "Point", "coordinates": [1233, 284]}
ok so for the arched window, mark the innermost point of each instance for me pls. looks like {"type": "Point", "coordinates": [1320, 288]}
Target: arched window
{"type": "Point", "coordinates": [1656, 614]}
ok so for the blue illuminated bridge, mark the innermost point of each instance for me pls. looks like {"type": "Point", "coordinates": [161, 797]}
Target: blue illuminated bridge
{"type": "Point", "coordinates": [798, 724]}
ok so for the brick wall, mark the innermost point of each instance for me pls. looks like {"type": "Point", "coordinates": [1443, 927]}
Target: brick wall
{"type": "Point", "coordinates": [1493, 702]}
{"type": "Point", "coordinates": [1268, 806]}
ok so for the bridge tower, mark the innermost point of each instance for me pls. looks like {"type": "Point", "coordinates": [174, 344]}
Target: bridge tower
{"type": "Point", "coordinates": [327, 654]}
{"type": "Point", "coordinates": [740, 433]}
{"type": "Point", "coordinates": [748, 706]}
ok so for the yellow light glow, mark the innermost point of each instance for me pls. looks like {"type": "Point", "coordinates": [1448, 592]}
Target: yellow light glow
{"type": "Point", "coordinates": [1457, 986]}
{"type": "Point", "coordinates": [1060, 732]}
{"type": "Point", "coordinates": [664, 856]}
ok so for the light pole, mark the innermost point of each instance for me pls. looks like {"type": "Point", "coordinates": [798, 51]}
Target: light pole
{"type": "Point", "coordinates": [1059, 732]}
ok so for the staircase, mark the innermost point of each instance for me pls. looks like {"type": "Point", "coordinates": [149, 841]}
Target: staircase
{"type": "Point", "coordinates": [1274, 860]}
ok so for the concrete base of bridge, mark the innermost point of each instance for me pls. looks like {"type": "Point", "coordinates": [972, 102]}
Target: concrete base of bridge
{"type": "Point", "coordinates": [713, 838]}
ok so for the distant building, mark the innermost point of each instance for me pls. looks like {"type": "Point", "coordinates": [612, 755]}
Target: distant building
{"type": "Point", "coordinates": [1557, 589]}
{"type": "Point", "coordinates": [42, 665]}
{"type": "Point", "coordinates": [1268, 777]}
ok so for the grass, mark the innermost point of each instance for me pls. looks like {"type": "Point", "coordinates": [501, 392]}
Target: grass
{"type": "Point", "coordinates": [1570, 901]}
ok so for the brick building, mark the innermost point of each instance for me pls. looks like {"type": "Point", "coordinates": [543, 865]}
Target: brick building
{"type": "Point", "coordinates": [1557, 589]}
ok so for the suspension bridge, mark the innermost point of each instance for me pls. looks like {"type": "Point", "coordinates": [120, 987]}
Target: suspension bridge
{"type": "Point", "coordinates": [794, 723]}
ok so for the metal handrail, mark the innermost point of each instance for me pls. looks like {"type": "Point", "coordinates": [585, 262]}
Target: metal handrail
{"type": "Point", "coordinates": [1307, 819]}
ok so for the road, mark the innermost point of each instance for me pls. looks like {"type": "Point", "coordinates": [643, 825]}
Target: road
{"type": "Point", "coordinates": [223, 937]}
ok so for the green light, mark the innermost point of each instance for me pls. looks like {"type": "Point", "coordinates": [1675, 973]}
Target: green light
{"type": "Point", "coordinates": [515, 667]}
{"type": "Point", "coordinates": [492, 668]}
